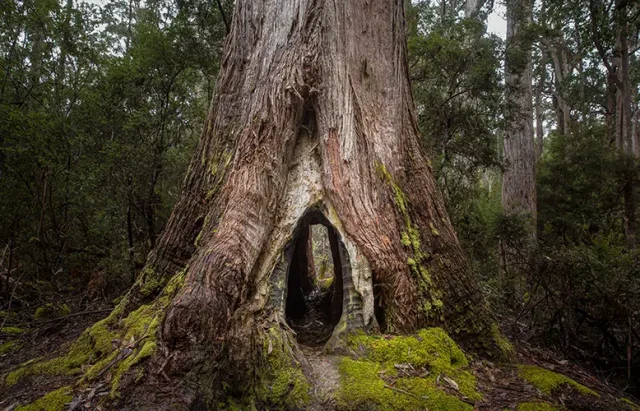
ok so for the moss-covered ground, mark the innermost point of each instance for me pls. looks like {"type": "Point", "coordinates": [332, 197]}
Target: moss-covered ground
{"type": "Point", "coordinates": [548, 381]}
{"type": "Point", "coordinates": [116, 344]}
{"type": "Point", "coordinates": [426, 370]}
{"type": "Point", "coordinates": [281, 382]}
{"type": "Point", "coordinates": [9, 346]}
{"type": "Point", "coordinates": [54, 401]}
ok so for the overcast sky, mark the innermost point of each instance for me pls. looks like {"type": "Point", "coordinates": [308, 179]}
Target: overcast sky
{"type": "Point", "coordinates": [497, 24]}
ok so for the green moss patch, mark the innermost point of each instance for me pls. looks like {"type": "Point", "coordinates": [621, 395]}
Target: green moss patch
{"type": "Point", "coordinates": [114, 342]}
{"type": "Point", "coordinates": [505, 347]}
{"type": "Point", "coordinates": [9, 346]}
{"type": "Point", "coordinates": [54, 401]}
{"type": "Point", "coordinates": [427, 370]}
{"type": "Point", "coordinates": [548, 381]}
{"type": "Point", "coordinates": [79, 353]}
{"type": "Point", "coordinates": [51, 311]}
{"type": "Point", "coordinates": [281, 382]}
{"type": "Point", "coordinates": [325, 283]}
{"type": "Point", "coordinates": [410, 239]}
{"type": "Point", "coordinates": [630, 404]}
{"type": "Point", "coordinates": [13, 330]}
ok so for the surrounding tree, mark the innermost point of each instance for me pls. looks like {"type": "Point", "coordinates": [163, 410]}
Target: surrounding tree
{"type": "Point", "coordinates": [518, 180]}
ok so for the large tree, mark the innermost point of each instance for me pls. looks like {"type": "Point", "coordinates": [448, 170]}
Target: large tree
{"type": "Point", "coordinates": [312, 123]}
{"type": "Point", "coordinates": [519, 178]}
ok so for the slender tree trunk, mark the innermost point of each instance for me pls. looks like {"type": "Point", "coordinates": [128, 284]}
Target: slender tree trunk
{"type": "Point", "coordinates": [558, 56]}
{"type": "Point", "coordinates": [539, 110]}
{"type": "Point", "coordinates": [518, 183]}
{"type": "Point", "coordinates": [311, 264]}
{"type": "Point", "coordinates": [130, 239]}
{"type": "Point", "coordinates": [313, 122]}
{"type": "Point", "coordinates": [472, 8]}
{"type": "Point", "coordinates": [623, 118]}
{"type": "Point", "coordinates": [610, 120]}
{"type": "Point", "coordinates": [619, 107]}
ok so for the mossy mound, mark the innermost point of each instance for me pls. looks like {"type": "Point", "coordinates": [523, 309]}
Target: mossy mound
{"type": "Point", "coordinates": [427, 370]}
{"type": "Point", "coordinates": [12, 330]}
{"type": "Point", "coordinates": [9, 346]}
{"type": "Point", "coordinates": [548, 381]}
{"type": "Point", "coordinates": [98, 343]}
{"type": "Point", "coordinates": [116, 343]}
{"type": "Point", "coordinates": [48, 311]}
{"type": "Point", "coordinates": [279, 384]}
{"type": "Point", "coordinates": [54, 401]}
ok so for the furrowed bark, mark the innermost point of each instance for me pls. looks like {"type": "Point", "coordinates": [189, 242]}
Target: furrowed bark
{"type": "Point", "coordinates": [518, 180]}
{"type": "Point", "coordinates": [312, 123]}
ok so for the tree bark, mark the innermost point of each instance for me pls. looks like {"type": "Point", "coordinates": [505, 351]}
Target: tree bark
{"type": "Point", "coordinates": [624, 137]}
{"type": "Point", "coordinates": [539, 110]}
{"type": "Point", "coordinates": [519, 178]}
{"type": "Point", "coordinates": [518, 187]}
{"type": "Point", "coordinates": [313, 122]}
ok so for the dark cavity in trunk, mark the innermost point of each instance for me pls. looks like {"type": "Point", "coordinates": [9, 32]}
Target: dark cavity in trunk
{"type": "Point", "coordinates": [315, 286]}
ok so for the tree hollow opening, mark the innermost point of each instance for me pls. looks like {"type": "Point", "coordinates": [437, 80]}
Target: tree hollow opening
{"type": "Point", "coordinates": [315, 282]}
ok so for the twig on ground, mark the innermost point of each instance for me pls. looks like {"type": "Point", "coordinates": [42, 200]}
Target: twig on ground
{"type": "Point", "coordinates": [402, 391]}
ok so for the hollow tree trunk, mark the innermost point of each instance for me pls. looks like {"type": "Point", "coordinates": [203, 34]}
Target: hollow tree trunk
{"type": "Point", "coordinates": [312, 122]}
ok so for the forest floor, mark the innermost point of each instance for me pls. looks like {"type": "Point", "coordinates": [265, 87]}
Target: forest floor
{"type": "Point", "coordinates": [500, 385]}
{"type": "Point", "coordinates": [40, 339]}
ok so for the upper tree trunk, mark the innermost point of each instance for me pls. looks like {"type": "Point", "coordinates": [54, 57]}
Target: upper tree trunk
{"type": "Point", "coordinates": [619, 107]}
{"type": "Point", "coordinates": [624, 135]}
{"type": "Point", "coordinates": [539, 110]}
{"type": "Point", "coordinates": [312, 122]}
{"type": "Point", "coordinates": [518, 182]}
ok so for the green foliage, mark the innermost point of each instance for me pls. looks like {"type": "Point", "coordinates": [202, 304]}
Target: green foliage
{"type": "Point", "coordinates": [454, 68]}
{"type": "Point", "coordinates": [579, 183]}
{"type": "Point", "coordinates": [101, 109]}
